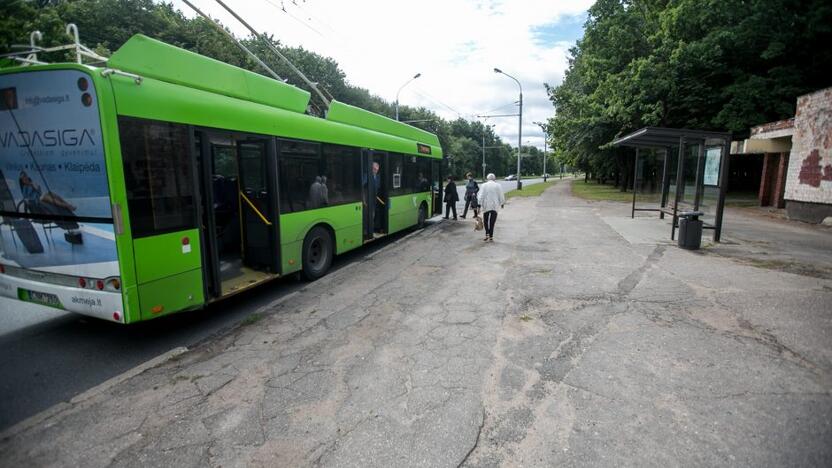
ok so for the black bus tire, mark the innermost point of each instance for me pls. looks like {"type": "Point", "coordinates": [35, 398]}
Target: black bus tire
{"type": "Point", "coordinates": [421, 217]}
{"type": "Point", "coordinates": [317, 253]}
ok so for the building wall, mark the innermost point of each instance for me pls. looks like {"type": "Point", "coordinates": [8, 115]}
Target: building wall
{"type": "Point", "coordinates": [809, 181]}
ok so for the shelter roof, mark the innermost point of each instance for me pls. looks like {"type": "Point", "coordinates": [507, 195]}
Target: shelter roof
{"type": "Point", "coordinates": [660, 137]}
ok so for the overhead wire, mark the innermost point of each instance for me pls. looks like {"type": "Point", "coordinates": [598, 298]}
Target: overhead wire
{"type": "Point", "coordinates": [436, 100]}
{"type": "Point", "coordinates": [282, 8]}
{"type": "Point", "coordinates": [513, 103]}
{"type": "Point", "coordinates": [303, 23]}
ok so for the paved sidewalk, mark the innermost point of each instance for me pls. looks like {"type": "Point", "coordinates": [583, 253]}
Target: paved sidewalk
{"type": "Point", "coordinates": [562, 343]}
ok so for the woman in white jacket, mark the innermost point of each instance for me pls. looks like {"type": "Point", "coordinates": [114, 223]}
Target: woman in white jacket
{"type": "Point", "coordinates": [490, 198]}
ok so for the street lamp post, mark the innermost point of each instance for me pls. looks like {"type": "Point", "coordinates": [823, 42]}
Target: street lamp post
{"type": "Point", "coordinates": [520, 124]}
{"type": "Point", "coordinates": [400, 90]}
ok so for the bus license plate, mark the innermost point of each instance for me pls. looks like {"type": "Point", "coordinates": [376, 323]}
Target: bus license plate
{"type": "Point", "coordinates": [46, 299]}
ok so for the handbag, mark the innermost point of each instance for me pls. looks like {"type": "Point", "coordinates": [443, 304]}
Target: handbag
{"type": "Point", "coordinates": [478, 226]}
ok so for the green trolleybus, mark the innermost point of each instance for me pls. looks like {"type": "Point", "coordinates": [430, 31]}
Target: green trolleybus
{"type": "Point", "coordinates": [165, 180]}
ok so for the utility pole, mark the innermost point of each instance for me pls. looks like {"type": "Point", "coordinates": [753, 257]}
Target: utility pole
{"type": "Point", "coordinates": [545, 141]}
{"type": "Point", "coordinates": [483, 138]}
{"type": "Point", "coordinates": [483, 155]}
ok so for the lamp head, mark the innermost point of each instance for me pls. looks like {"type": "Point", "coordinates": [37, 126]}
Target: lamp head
{"type": "Point", "coordinates": [497, 70]}
{"type": "Point", "coordinates": [417, 76]}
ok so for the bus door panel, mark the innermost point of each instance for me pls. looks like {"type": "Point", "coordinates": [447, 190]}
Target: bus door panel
{"type": "Point", "coordinates": [257, 207]}
{"type": "Point", "coordinates": [367, 194]}
{"type": "Point", "coordinates": [436, 186]}
{"type": "Point", "coordinates": [382, 201]}
{"type": "Point", "coordinates": [208, 224]}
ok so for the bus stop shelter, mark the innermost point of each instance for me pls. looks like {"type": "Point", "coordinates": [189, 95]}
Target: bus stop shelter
{"type": "Point", "coordinates": [694, 175]}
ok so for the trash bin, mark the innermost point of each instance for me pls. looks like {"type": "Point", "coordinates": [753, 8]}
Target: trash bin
{"type": "Point", "coordinates": [690, 230]}
{"type": "Point", "coordinates": [519, 185]}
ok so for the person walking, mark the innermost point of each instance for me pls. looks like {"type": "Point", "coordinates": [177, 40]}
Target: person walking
{"type": "Point", "coordinates": [451, 197]}
{"type": "Point", "coordinates": [490, 198]}
{"type": "Point", "coordinates": [471, 189]}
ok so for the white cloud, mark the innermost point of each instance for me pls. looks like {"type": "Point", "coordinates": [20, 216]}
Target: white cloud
{"type": "Point", "coordinates": [455, 44]}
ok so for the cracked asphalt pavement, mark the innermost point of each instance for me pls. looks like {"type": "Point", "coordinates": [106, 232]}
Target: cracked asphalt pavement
{"type": "Point", "coordinates": [561, 343]}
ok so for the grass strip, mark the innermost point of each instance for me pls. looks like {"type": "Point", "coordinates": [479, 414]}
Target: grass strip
{"type": "Point", "coordinates": [602, 192]}
{"type": "Point", "coordinates": [531, 190]}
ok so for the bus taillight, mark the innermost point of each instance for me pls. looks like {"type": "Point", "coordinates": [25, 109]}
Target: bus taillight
{"type": "Point", "coordinates": [82, 282]}
{"type": "Point", "coordinates": [100, 285]}
{"type": "Point", "coordinates": [113, 284]}
{"type": "Point", "coordinates": [2, 268]}
{"type": "Point", "coordinates": [117, 316]}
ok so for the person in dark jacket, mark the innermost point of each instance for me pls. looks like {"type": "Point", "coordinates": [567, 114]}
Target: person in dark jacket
{"type": "Point", "coordinates": [451, 197]}
{"type": "Point", "coordinates": [471, 189]}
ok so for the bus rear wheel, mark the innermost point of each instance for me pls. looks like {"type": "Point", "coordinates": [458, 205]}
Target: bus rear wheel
{"type": "Point", "coordinates": [317, 253]}
{"type": "Point", "coordinates": [423, 214]}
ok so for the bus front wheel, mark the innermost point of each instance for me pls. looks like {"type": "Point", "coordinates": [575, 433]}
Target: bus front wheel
{"type": "Point", "coordinates": [317, 253]}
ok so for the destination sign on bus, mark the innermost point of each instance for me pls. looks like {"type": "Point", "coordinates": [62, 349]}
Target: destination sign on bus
{"type": "Point", "coordinates": [423, 149]}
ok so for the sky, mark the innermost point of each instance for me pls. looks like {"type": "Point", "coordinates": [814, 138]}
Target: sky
{"type": "Point", "coordinates": [454, 44]}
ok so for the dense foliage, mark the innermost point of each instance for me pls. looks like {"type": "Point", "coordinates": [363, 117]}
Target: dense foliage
{"type": "Point", "coordinates": [703, 64]}
{"type": "Point", "coordinates": [106, 24]}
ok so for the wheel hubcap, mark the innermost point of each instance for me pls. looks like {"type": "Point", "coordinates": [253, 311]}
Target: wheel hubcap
{"type": "Point", "coordinates": [317, 253]}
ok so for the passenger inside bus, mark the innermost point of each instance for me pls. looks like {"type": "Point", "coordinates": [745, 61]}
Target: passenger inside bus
{"type": "Point", "coordinates": [318, 193]}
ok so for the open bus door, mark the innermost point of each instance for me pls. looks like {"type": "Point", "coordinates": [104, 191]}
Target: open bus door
{"type": "Point", "coordinates": [436, 187]}
{"type": "Point", "coordinates": [375, 196]}
{"type": "Point", "coordinates": [239, 206]}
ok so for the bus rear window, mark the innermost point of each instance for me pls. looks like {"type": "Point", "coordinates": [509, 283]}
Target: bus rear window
{"type": "Point", "coordinates": [159, 176]}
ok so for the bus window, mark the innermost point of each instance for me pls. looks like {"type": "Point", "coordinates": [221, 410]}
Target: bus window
{"type": "Point", "coordinates": [300, 176]}
{"type": "Point", "coordinates": [413, 173]}
{"type": "Point", "coordinates": [158, 176]}
{"type": "Point", "coordinates": [421, 183]}
{"type": "Point", "coordinates": [342, 169]}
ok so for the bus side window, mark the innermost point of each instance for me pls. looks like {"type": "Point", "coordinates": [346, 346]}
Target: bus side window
{"type": "Point", "coordinates": [158, 176]}
{"type": "Point", "coordinates": [300, 167]}
{"type": "Point", "coordinates": [342, 169]}
{"type": "Point", "coordinates": [413, 173]}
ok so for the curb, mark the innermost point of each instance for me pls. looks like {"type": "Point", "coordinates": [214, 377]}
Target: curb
{"type": "Point", "coordinates": [87, 395]}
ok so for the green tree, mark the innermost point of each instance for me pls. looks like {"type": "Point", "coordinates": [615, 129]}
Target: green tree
{"type": "Point", "coordinates": [706, 64]}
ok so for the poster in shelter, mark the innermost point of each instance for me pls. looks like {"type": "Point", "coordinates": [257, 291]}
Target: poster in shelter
{"type": "Point", "coordinates": [713, 157]}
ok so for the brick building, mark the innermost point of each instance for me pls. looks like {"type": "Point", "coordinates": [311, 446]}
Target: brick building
{"type": "Point", "coordinates": [796, 159]}
{"type": "Point", "coordinates": [809, 178]}
{"type": "Point", "coordinates": [768, 148]}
